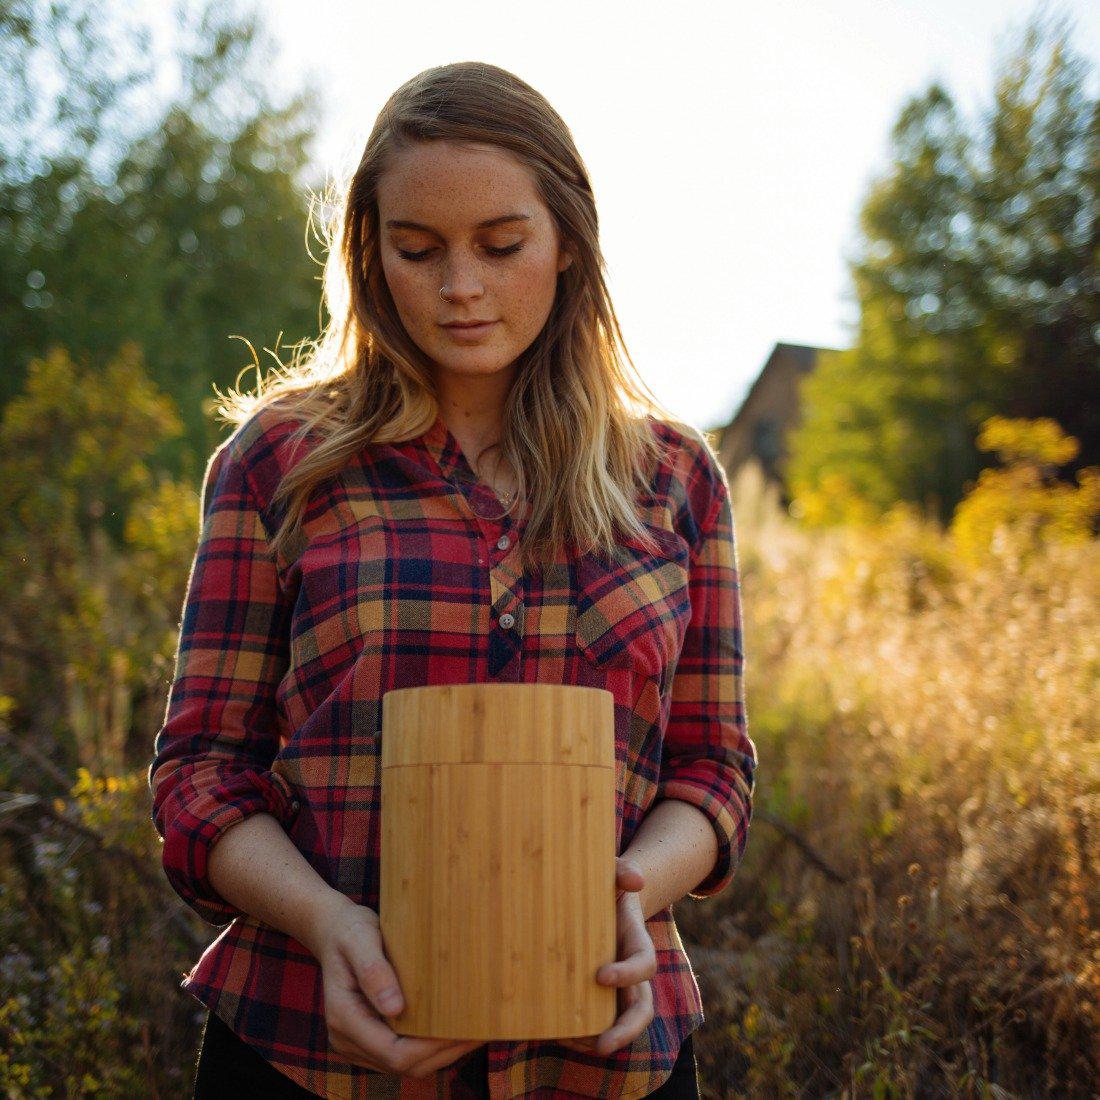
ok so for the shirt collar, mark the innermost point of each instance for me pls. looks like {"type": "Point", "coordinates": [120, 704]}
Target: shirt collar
{"type": "Point", "coordinates": [446, 453]}
{"type": "Point", "coordinates": [444, 449]}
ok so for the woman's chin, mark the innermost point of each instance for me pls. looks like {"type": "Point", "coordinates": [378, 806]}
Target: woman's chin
{"type": "Point", "coordinates": [474, 362]}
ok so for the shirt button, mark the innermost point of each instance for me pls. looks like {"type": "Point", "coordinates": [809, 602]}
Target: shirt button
{"type": "Point", "coordinates": [503, 542]}
{"type": "Point", "coordinates": [507, 621]}
{"type": "Point", "coordinates": [295, 805]}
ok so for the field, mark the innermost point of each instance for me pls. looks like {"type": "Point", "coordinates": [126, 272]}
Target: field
{"type": "Point", "coordinates": [916, 912]}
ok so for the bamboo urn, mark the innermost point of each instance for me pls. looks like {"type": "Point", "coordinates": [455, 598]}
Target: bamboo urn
{"type": "Point", "coordinates": [497, 890]}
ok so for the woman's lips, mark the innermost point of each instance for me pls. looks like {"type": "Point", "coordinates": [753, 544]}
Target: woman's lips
{"type": "Point", "coordinates": [469, 332]}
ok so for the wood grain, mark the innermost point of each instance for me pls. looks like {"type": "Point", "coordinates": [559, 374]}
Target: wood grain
{"type": "Point", "coordinates": [497, 891]}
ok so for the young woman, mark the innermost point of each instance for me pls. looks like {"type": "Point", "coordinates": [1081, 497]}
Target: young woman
{"type": "Point", "coordinates": [460, 482]}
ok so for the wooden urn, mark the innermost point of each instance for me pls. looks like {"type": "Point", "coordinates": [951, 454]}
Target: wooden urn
{"type": "Point", "coordinates": [497, 892]}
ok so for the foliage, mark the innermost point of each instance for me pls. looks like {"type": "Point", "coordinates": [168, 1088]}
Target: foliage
{"type": "Point", "coordinates": [927, 721]}
{"type": "Point", "coordinates": [63, 1029]}
{"type": "Point", "coordinates": [178, 222]}
{"type": "Point", "coordinates": [975, 278]}
{"type": "Point", "coordinates": [92, 934]}
{"type": "Point", "coordinates": [1024, 494]}
{"type": "Point", "coordinates": [94, 561]}
{"type": "Point", "coordinates": [152, 206]}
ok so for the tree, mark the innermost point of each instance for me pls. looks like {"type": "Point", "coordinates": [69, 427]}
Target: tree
{"type": "Point", "coordinates": [978, 292]}
{"type": "Point", "coordinates": [171, 221]}
{"type": "Point", "coordinates": [1023, 496]}
{"type": "Point", "coordinates": [93, 556]}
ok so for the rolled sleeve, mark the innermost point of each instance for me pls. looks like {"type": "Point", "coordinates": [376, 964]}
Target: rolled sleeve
{"type": "Point", "coordinates": [212, 759]}
{"type": "Point", "coordinates": [708, 758]}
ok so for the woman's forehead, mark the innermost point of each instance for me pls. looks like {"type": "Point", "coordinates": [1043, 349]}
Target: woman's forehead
{"type": "Point", "coordinates": [463, 186]}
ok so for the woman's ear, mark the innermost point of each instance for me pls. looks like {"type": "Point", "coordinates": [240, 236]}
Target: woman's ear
{"type": "Point", "coordinates": [565, 258]}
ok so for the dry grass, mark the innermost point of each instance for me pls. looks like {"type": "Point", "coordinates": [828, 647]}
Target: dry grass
{"type": "Point", "coordinates": [931, 729]}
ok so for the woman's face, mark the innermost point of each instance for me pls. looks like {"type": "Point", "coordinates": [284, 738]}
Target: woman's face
{"type": "Point", "coordinates": [467, 219]}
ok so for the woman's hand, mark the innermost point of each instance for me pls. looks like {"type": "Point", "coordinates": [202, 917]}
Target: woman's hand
{"type": "Point", "coordinates": [635, 965]}
{"type": "Point", "coordinates": [347, 941]}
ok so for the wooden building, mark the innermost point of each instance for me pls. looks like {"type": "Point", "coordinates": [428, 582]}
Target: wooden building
{"type": "Point", "coordinates": [757, 432]}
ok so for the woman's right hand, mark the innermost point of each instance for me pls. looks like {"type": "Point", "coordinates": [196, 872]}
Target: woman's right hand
{"type": "Point", "coordinates": [347, 940]}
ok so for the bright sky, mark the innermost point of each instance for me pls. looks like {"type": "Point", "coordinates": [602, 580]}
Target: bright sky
{"type": "Point", "coordinates": [729, 145]}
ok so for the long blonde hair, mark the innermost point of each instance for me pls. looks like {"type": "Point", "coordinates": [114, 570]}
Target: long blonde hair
{"type": "Point", "coordinates": [574, 425]}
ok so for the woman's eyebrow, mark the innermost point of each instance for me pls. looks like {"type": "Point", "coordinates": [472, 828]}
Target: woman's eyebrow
{"type": "Point", "coordinates": [393, 224]}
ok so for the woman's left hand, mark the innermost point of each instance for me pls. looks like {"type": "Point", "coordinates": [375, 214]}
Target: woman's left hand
{"type": "Point", "coordinates": [635, 965]}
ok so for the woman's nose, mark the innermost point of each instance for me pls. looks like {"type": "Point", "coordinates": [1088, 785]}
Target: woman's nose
{"type": "Point", "coordinates": [461, 279]}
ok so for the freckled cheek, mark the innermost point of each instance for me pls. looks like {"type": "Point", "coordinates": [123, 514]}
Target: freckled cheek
{"type": "Point", "coordinates": [529, 294]}
{"type": "Point", "coordinates": [412, 298]}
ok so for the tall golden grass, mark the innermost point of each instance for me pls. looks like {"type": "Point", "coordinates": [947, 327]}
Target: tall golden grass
{"type": "Point", "coordinates": [927, 724]}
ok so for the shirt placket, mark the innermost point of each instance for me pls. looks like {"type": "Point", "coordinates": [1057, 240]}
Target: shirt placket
{"type": "Point", "coordinates": [499, 534]}
{"type": "Point", "coordinates": [498, 553]}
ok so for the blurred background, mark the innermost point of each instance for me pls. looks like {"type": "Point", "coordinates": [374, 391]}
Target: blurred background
{"type": "Point", "coordinates": [856, 243]}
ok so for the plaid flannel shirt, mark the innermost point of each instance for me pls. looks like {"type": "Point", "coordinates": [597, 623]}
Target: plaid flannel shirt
{"type": "Point", "coordinates": [404, 570]}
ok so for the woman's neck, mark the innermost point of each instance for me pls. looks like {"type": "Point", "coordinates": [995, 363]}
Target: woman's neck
{"type": "Point", "coordinates": [472, 407]}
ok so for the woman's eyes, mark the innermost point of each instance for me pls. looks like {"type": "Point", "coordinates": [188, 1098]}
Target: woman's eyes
{"type": "Point", "coordinates": [509, 251]}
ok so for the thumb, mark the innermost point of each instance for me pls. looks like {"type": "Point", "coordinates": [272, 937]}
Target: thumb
{"type": "Point", "coordinates": [378, 980]}
{"type": "Point", "coordinates": [628, 875]}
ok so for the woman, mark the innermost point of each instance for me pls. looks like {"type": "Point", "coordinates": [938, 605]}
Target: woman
{"type": "Point", "coordinates": [420, 503]}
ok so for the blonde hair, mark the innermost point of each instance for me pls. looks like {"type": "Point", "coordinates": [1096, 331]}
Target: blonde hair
{"type": "Point", "coordinates": [574, 426]}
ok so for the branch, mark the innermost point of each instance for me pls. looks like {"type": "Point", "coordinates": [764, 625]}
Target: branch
{"type": "Point", "coordinates": [14, 805]}
{"type": "Point", "coordinates": [37, 757]}
{"type": "Point", "coordinates": [803, 845]}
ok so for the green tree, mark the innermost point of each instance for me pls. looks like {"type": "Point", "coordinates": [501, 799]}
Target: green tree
{"type": "Point", "coordinates": [976, 278]}
{"type": "Point", "coordinates": [93, 556]}
{"type": "Point", "coordinates": [174, 220]}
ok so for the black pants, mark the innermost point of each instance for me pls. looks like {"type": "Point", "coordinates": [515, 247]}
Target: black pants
{"type": "Point", "coordinates": [229, 1068]}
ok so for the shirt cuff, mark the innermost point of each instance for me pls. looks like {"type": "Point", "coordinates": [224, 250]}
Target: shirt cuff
{"type": "Point", "coordinates": [197, 826]}
{"type": "Point", "coordinates": [727, 803]}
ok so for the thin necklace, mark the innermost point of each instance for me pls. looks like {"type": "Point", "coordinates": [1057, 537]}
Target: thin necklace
{"type": "Point", "coordinates": [506, 498]}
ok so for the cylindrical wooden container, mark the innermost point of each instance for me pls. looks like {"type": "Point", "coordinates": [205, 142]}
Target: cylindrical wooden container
{"type": "Point", "coordinates": [497, 892]}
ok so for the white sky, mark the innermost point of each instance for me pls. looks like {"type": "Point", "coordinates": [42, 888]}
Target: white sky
{"type": "Point", "coordinates": [729, 145]}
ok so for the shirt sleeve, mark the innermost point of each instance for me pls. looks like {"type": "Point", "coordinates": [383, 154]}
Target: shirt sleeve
{"type": "Point", "coordinates": [212, 757]}
{"type": "Point", "coordinates": [708, 758]}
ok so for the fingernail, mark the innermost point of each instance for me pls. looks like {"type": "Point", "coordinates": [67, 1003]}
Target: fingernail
{"type": "Point", "coordinates": [390, 1000]}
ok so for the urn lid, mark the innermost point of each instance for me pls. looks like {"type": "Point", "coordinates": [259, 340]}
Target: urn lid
{"type": "Point", "coordinates": [499, 724]}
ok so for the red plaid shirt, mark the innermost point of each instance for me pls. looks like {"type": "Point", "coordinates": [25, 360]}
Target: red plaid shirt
{"type": "Point", "coordinates": [402, 577]}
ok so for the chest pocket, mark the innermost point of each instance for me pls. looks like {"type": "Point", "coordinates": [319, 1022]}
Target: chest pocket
{"type": "Point", "coordinates": [632, 609]}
